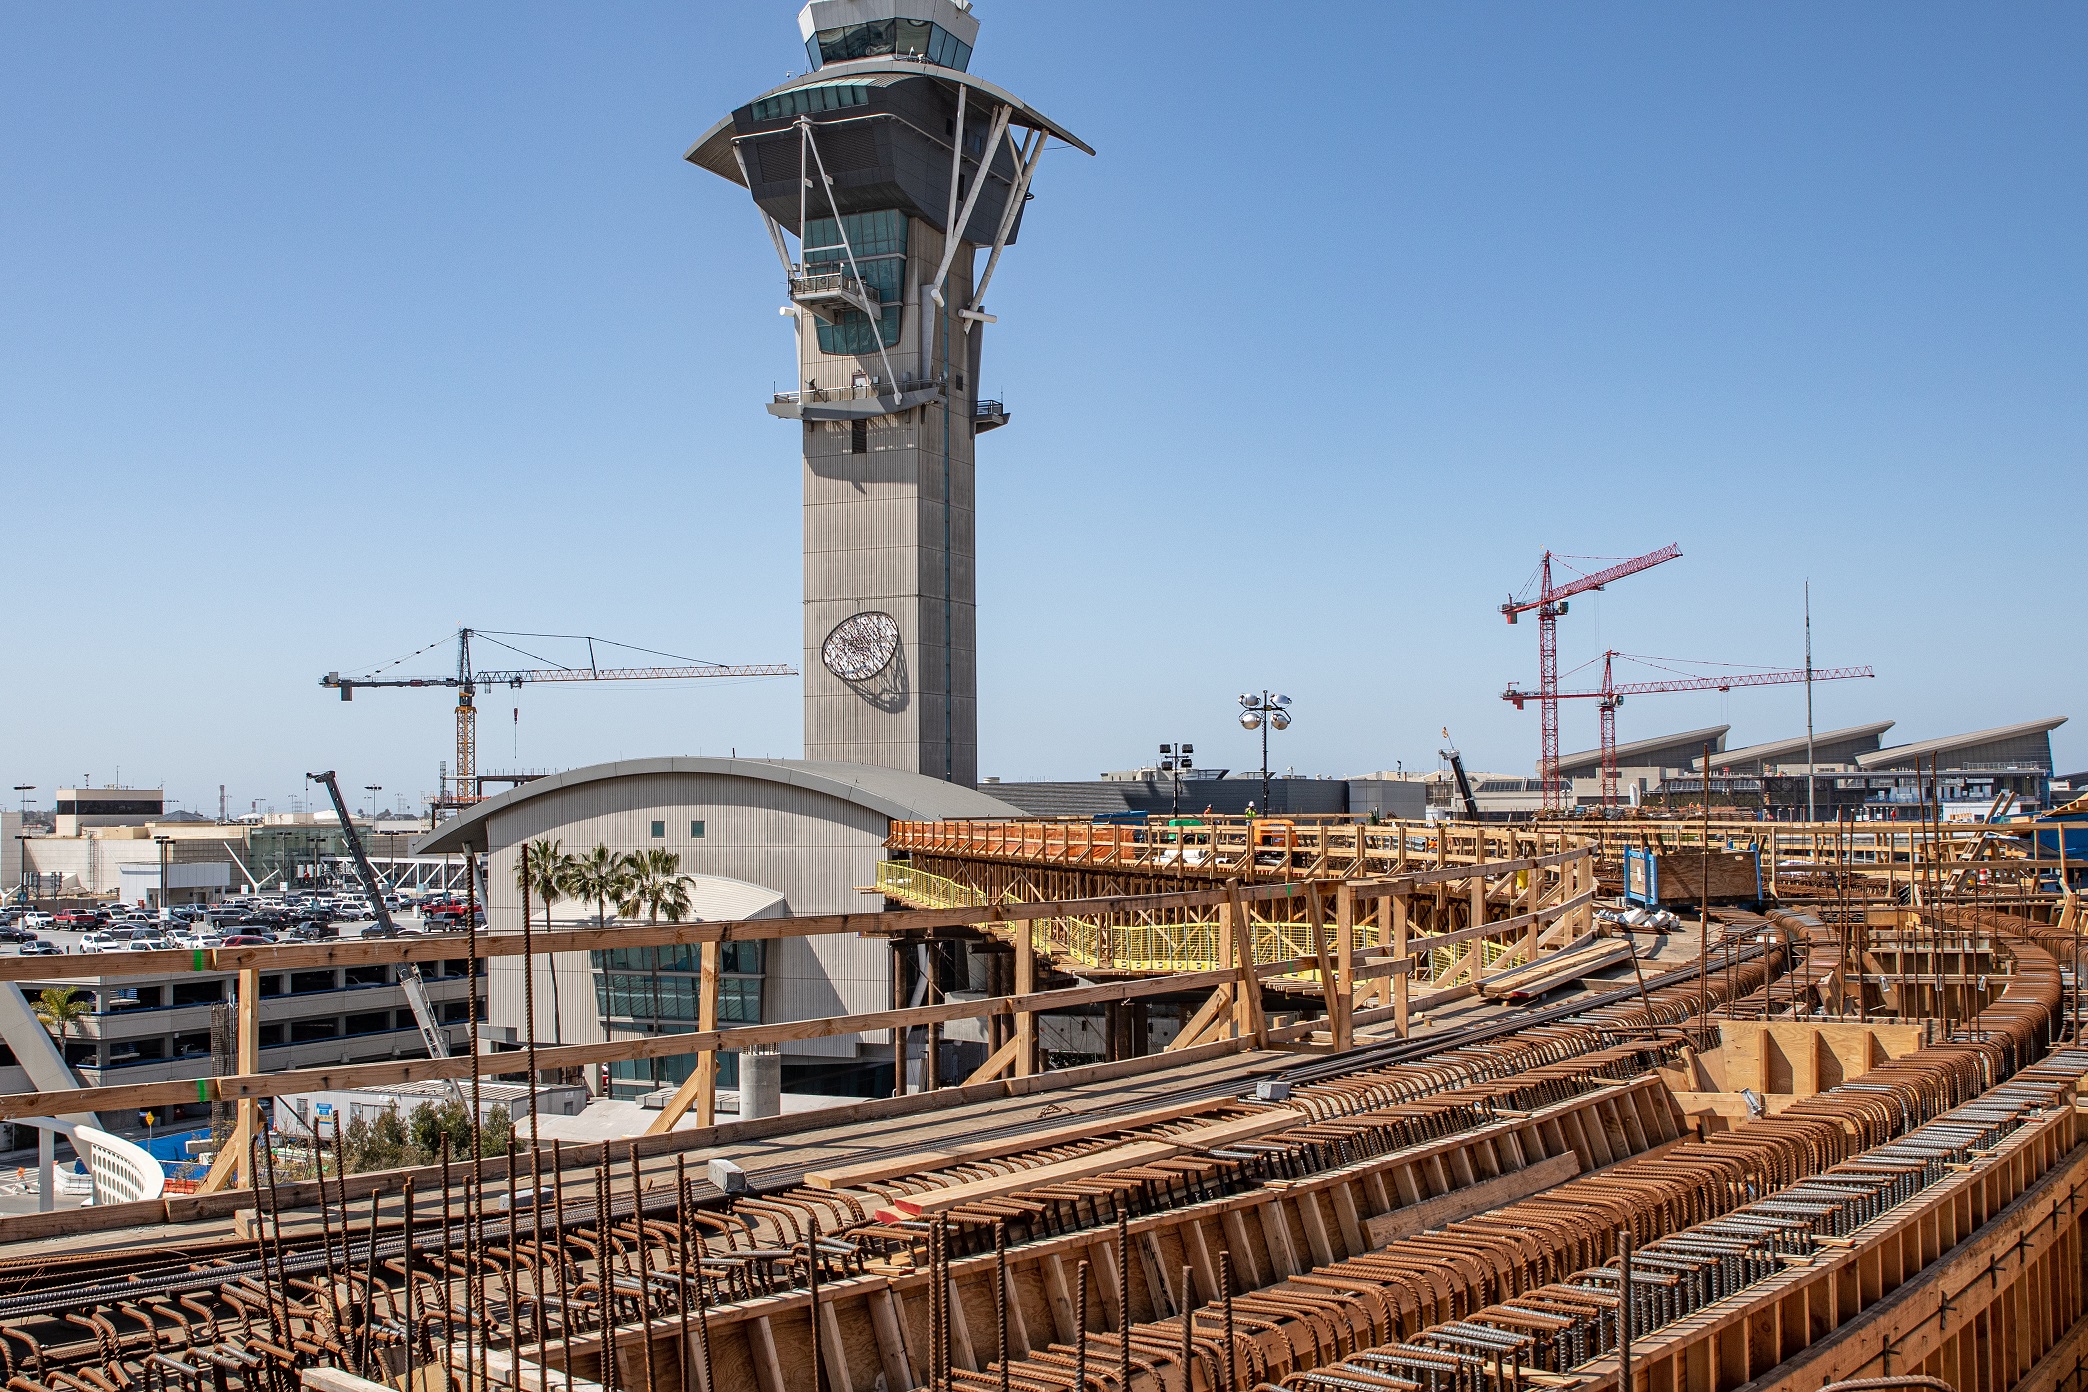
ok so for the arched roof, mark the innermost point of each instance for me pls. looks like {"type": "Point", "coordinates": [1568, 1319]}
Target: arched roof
{"type": "Point", "coordinates": [895, 793]}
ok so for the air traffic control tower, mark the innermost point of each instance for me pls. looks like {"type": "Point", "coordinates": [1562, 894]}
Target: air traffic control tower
{"type": "Point", "coordinates": [890, 180]}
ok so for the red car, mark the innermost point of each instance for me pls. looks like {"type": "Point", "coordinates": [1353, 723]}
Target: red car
{"type": "Point", "coordinates": [248, 940]}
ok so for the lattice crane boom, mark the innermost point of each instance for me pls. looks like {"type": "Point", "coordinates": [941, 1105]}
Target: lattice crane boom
{"type": "Point", "coordinates": [1612, 693]}
{"type": "Point", "coordinates": [468, 681]}
{"type": "Point", "coordinates": [1550, 604]}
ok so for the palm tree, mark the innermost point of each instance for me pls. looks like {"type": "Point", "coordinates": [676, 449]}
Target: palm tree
{"type": "Point", "coordinates": [598, 875]}
{"type": "Point", "coordinates": [653, 884]}
{"type": "Point", "coordinates": [61, 1007]}
{"type": "Point", "coordinates": [546, 870]}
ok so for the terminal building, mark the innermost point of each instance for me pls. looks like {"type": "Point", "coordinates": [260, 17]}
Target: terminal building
{"type": "Point", "coordinates": [1853, 772]}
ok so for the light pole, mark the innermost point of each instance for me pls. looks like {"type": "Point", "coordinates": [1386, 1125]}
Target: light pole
{"type": "Point", "coordinates": [373, 789]}
{"type": "Point", "coordinates": [1174, 758]}
{"type": "Point", "coordinates": [21, 848]}
{"type": "Point", "coordinates": [1265, 712]}
{"type": "Point", "coordinates": [163, 842]}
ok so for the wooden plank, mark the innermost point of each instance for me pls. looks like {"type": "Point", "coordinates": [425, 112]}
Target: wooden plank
{"type": "Point", "coordinates": [891, 1342]}
{"type": "Point", "coordinates": [927, 1158]}
{"type": "Point", "coordinates": [395, 1071]}
{"type": "Point", "coordinates": [1473, 1199]}
{"type": "Point", "coordinates": [768, 1367]}
{"type": "Point", "coordinates": [1097, 1162]}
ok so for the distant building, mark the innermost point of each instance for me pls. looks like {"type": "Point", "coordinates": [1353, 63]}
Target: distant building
{"type": "Point", "coordinates": [77, 809]}
{"type": "Point", "coordinates": [1642, 765]}
{"type": "Point", "coordinates": [1854, 774]}
{"type": "Point", "coordinates": [156, 1029]}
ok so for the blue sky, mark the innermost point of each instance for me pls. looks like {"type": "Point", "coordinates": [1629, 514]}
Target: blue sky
{"type": "Point", "coordinates": [328, 329]}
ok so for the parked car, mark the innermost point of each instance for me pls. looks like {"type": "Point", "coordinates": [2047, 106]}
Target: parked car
{"type": "Point", "coordinates": [35, 918]}
{"type": "Point", "coordinates": [80, 920]}
{"type": "Point", "coordinates": [39, 948]}
{"type": "Point", "coordinates": [378, 930]}
{"type": "Point", "coordinates": [314, 932]}
{"type": "Point", "coordinates": [249, 940]}
{"type": "Point", "coordinates": [14, 935]}
{"type": "Point", "coordinates": [100, 942]}
{"type": "Point", "coordinates": [151, 943]}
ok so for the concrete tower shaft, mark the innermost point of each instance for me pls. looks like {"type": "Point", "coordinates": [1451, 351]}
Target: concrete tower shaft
{"type": "Point", "coordinates": [890, 181]}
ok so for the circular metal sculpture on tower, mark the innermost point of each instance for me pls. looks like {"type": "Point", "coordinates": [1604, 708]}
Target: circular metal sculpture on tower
{"type": "Point", "coordinates": [861, 645]}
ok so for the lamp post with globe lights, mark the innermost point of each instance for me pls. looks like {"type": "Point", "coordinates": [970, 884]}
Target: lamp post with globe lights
{"type": "Point", "coordinates": [1264, 712]}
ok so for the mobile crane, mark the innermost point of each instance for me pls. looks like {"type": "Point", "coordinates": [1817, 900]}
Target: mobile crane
{"type": "Point", "coordinates": [409, 972]}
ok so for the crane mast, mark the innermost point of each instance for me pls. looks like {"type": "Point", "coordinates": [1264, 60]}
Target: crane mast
{"type": "Point", "coordinates": [1550, 605]}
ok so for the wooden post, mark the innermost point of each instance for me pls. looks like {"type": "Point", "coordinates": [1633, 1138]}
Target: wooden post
{"type": "Point", "coordinates": [1025, 983]}
{"type": "Point", "coordinates": [1402, 911]}
{"type": "Point", "coordinates": [1344, 1024]}
{"type": "Point", "coordinates": [249, 1063]}
{"type": "Point", "coordinates": [1477, 916]}
{"type": "Point", "coordinates": [898, 1031]}
{"type": "Point", "coordinates": [707, 1019]}
{"type": "Point", "coordinates": [1247, 1006]}
{"type": "Point", "coordinates": [1316, 924]}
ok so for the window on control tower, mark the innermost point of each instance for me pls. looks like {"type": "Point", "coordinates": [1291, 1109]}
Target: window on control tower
{"type": "Point", "coordinates": [882, 38]}
{"type": "Point", "coordinates": [879, 242]}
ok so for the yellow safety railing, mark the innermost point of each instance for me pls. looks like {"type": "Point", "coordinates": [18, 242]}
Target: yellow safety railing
{"type": "Point", "coordinates": [1194, 945]}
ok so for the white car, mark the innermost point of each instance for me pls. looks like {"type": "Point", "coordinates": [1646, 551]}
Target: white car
{"type": "Point", "coordinates": [34, 919]}
{"type": "Point", "coordinates": [100, 942]}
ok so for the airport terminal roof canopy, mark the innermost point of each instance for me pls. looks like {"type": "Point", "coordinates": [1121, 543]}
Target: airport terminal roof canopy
{"type": "Point", "coordinates": [1666, 751]}
{"type": "Point", "coordinates": [2024, 745]}
{"type": "Point", "coordinates": [1829, 747]}
{"type": "Point", "coordinates": [895, 793]}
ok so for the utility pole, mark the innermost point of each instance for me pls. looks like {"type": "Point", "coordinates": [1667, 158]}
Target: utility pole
{"type": "Point", "coordinates": [1811, 810]}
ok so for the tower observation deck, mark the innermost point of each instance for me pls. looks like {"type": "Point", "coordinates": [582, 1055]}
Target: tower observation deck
{"type": "Point", "coordinates": [890, 180]}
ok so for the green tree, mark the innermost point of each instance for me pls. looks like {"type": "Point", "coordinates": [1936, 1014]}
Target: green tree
{"type": "Point", "coordinates": [379, 1143]}
{"type": "Point", "coordinates": [60, 1008]}
{"type": "Point", "coordinates": [598, 875]}
{"type": "Point", "coordinates": [546, 870]}
{"type": "Point", "coordinates": [432, 1121]}
{"type": "Point", "coordinates": [655, 886]}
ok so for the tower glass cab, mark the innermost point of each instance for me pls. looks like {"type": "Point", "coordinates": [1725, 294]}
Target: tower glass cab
{"type": "Point", "coordinates": [890, 181]}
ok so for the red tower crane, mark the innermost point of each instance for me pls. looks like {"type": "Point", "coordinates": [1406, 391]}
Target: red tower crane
{"type": "Point", "coordinates": [1611, 694]}
{"type": "Point", "coordinates": [1550, 604]}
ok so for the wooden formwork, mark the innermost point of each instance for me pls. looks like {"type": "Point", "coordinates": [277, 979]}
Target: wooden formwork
{"type": "Point", "coordinates": [878, 1325]}
{"type": "Point", "coordinates": [1974, 1281]}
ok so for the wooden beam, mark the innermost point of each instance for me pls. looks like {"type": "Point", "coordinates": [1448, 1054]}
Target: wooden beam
{"type": "Point", "coordinates": [361, 952]}
{"type": "Point", "coordinates": [1025, 985]}
{"type": "Point", "coordinates": [1247, 1001]}
{"type": "Point", "coordinates": [917, 1162]}
{"type": "Point", "coordinates": [996, 1064]}
{"type": "Point", "coordinates": [1342, 1014]}
{"type": "Point", "coordinates": [1458, 1204]}
{"type": "Point", "coordinates": [701, 1086]}
{"type": "Point", "coordinates": [394, 1071]}
{"type": "Point", "coordinates": [1210, 1015]}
